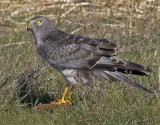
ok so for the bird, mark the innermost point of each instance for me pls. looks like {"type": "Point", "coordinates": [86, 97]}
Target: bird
{"type": "Point", "coordinates": [79, 58]}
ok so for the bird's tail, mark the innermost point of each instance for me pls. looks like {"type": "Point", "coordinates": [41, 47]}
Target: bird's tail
{"type": "Point", "coordinates": [124, 78]}
{"type": "Point", "coordinates": [134, 68]}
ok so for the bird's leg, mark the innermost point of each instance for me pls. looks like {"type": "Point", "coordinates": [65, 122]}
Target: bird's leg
{"type": "Point", "coordinates": [62, 100]}
{"type": "Point", "coordinates": [63, 96]}
{"type": "Point", "coordinates": [70, 93]}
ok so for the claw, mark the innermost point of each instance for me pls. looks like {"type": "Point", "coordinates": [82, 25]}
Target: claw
{"type": "Point", "coordinates": [62, 100]}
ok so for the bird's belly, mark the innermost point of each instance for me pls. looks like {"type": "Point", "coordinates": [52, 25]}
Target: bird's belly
{"type": "Point", "coordinates": [76, 77]}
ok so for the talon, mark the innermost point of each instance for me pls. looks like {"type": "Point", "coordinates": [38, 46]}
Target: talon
{"type": "Point", "coordinates": [62, 100]}
{"type": "Point", "coordinates": [67, 101]}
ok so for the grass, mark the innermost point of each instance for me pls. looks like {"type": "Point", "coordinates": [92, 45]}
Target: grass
{"type": "Point", "coordinates": [26, 80]}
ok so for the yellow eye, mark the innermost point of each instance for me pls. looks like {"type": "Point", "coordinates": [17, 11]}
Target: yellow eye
{"type": "Point", "coordinates": [38, 22]}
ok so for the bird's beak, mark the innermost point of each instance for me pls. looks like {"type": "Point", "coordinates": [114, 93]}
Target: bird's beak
{"type": "Point", "coordinates": [29, 26]}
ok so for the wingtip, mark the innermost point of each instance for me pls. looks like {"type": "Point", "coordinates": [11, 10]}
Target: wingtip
{"type": "Point", "coordinates": [149, 69]}
{"type": "Point", "coordinates": [147, 90]}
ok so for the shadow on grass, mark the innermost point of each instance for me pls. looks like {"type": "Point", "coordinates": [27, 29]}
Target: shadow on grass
{"type": "Point", "coordinates": [30, 92]}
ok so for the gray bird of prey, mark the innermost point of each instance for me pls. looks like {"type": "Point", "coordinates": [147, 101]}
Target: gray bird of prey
{"type": "Point", "coordinates": [80, 58]}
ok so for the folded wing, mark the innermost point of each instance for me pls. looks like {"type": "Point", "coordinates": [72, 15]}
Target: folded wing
{"type": "Point", "coordinates": [75, 51]}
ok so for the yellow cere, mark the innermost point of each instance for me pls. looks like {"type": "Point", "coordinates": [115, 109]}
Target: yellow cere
{"type": "Point", "coordinates": [38, 22]}
{"type": "Point", "coordinates": [29, 24]}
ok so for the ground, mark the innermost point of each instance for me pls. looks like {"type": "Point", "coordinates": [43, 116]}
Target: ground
{"type": "Point", "coordinates": [28, 83]}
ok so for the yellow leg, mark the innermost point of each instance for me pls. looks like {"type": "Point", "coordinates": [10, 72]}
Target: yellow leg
{"type": "Point", "coordinates": [62, 100]}
{"type": "Point", "coordinates": [70, 93]}
{"type": "Point", "coordinates": [65, 91]}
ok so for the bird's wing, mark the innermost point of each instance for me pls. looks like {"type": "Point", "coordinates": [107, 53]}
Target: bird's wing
{"type": "Point", "coordinates": [74, 51]}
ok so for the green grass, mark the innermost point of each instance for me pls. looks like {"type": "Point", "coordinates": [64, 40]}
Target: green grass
{"type": "Point", "coordinates": [26, 80]}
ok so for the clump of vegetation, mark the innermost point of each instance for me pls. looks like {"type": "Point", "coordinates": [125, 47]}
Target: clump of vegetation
{"type": "Point", "coordinates": [27, 81]}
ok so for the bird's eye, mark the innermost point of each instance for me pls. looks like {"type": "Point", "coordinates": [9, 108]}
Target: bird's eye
{"type": "Point", "coordinates": [38, 22]}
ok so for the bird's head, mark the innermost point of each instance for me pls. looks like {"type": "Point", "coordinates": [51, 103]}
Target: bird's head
{"type": "Point", "coordinates": [39, 24]}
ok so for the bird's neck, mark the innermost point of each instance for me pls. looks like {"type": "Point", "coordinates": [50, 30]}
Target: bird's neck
{"type": "Point", "coordinates": [39, 36]}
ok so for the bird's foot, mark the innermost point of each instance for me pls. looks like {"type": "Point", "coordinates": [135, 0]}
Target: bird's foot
{"type": "Point", "coordinates": [61, 101]}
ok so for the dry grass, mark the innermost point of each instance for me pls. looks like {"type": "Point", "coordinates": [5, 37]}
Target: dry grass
{"type": "Point", "coordinates": [27, 81]}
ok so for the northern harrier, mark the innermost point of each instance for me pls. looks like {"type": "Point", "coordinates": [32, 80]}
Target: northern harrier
{"type": "Point", "coordinates": [79, 58]}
